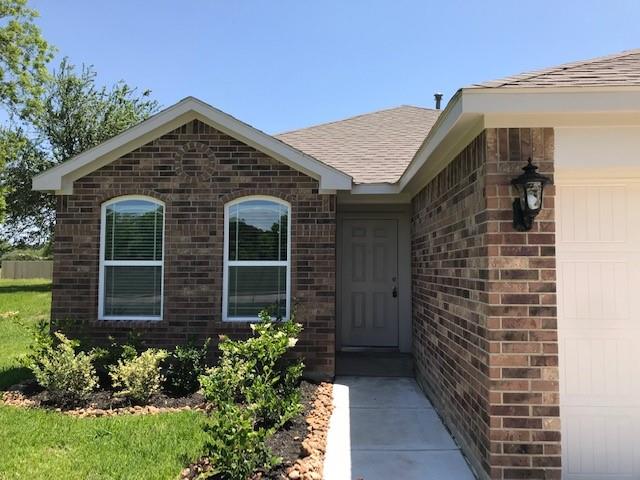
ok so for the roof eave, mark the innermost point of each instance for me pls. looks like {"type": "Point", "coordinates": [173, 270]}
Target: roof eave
{"type": "Point", "coordinates": [60, 179]}
{"type": "Point", "coordinates": [473, 109]}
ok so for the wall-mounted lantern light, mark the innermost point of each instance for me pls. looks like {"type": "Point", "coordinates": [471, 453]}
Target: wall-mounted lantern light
{"type": "Point", "coordinates": [530, 186]}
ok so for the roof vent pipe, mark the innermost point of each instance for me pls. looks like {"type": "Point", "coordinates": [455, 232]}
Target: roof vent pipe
{"type": "Point", "coordinates": [438, 97]}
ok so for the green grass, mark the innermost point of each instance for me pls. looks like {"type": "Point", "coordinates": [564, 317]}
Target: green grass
{"type": "Point", "coordinates": [23, 303]}
{"type": "Point", "coordinates": [38, 444]}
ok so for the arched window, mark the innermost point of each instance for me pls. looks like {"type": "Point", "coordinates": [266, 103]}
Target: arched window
{"type": "Point", "coordinates": [257, 258]}
{"type": "Point", "coordinates": [131, 259]}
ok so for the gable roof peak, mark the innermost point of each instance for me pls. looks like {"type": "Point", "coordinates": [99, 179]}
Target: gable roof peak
{"type": "Point", "coordinates": [61, 177]}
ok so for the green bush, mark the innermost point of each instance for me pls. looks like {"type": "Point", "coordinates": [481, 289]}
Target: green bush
{"type": "Point", "coordinates": [138, 376]}
{"type": "Point", "coordinates": [184, 366]}
{"type": "Point", "coordinates": [5, 247]}
{"type": "Point", "coordinates": [255, 392]}
{"type": "Point", "coordinates": [237, 446]}
{"type": "Point", "coordinates": [108, 356]}
{"type": "Point", "coordinates": [40, 344]}
{"type": "Point", "coordinates": [27, 254]}
{"type": "Point", "coordinates": [254, 372]}
{"type": "Point", "coordinates": [68, 376]}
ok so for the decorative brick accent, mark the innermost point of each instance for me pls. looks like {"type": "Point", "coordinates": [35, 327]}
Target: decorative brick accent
{"type": "Point", "coordinates": [195, 170]}
{"type": "Point", "coordinates": [484, 307]}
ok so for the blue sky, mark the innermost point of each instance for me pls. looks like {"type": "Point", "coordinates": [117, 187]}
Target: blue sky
{"type": "Point", "coordinates": [285, 64]}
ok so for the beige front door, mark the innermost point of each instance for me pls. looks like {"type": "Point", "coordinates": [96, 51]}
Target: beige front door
{"type": "Point", "coordinates": [369, 282]}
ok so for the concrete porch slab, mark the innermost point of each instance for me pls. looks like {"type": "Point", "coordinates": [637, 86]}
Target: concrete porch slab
{"type": "Point", "coordinates": [383, 428]}
{"type": "Point", "coordinates": [380, 392]}
{"type": "Point", "coordinates": [398, 429]}
{"type": "Point", "coordinates": [431, 465]}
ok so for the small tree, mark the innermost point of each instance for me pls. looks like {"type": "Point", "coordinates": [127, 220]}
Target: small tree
{"type": "Point", "coordinates": [73, 115]}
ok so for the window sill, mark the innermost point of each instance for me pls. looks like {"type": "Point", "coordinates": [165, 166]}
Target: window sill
{"type": "Point", "coordinates": [129, 319]}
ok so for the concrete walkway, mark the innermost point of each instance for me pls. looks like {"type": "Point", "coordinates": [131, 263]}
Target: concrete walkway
{"type": "Point", "coordinates": [384, 428]}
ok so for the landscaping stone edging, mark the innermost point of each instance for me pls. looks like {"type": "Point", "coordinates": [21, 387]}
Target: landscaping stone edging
{"type": "Point", "coordinates": [18, 399]}
{"type": "Point", "coordinates": [310, 466]}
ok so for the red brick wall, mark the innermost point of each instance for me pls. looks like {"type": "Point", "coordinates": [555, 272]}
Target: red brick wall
{"type": "Point", "coordinates": [484, 310]}
{"type": "Point", "coordinates": [449, 275]}
{"type": "Point", "coordinates": [525, 423]}
{"type": "Point", "coordinates": [195, 170]}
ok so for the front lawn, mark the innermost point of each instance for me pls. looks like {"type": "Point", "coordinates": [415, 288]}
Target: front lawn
{"type": "Point", "coordinates": [23, 303]}
{"type": "Point", "coordinates": [38, 444]}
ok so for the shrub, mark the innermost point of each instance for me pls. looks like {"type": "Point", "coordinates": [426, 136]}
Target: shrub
{"type": "Point", "coordinates": [255, 391]}
{"type": "Point", "coordinates": [69, 376]}
{"type": "Point", "coordinates": [254, 372]}
{"type": "Point", "coordinates": [5, 247]}
{"type": "Point", "coordinates": [185, 365]}
{"type": "Point", "coordinates": [237, 447]}
{"type": "Point", "coordinates": [108, 356]}
{"type": "Point", "coordinates": [138, 376]}
{"type": "Point", "coordinates": [27, 254]}
{"type": "Point", "coordinates": [40, 344]}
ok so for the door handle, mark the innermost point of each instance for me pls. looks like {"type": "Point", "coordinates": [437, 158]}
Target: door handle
{"type": "Point", "coordinates": [394, 292]}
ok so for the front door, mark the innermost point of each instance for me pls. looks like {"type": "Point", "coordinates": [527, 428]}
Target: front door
{"type": "Point", "coordinates": [369, 274]}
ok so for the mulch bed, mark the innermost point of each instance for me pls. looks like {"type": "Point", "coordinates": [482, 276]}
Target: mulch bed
{"type": "Point", "coordinates": [100, 403]}
{"type": "Point", "coordinates": [301, 444]}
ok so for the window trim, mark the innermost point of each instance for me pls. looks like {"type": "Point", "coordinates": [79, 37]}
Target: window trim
{"type": "Point", "coordinates": [131, 263]}
{"type": "Point", "coordinates": [247, 263]}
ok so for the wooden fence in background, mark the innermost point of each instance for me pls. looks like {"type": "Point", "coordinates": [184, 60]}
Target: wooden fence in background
{"type": "Point", "coordinates": [26, 269]}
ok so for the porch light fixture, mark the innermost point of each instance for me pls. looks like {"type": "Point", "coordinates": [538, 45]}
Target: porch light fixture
{"type": "Point", "coordinates": [526, 207]}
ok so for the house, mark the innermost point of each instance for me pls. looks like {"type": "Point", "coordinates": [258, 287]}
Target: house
{"type": "Point", "coordinates": [394, 229]}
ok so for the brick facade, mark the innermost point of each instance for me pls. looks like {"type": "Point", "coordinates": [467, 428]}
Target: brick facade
{"type": "Point", "coordinates": [484, 307]}
{"type": "Point", "coordinates": [195, 170]}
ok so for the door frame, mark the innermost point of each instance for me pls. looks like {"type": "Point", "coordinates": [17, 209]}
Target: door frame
{"type": "Point", "coordinates": [401, 214]}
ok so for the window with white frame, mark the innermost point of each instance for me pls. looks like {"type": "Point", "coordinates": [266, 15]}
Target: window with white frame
{"type": "Point", "coordinates": [256, 258]}
{"type": "Point", "coordinates": [131, 259]}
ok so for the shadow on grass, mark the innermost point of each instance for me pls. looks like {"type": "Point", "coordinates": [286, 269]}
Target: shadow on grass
{"type": "Point", "coordinates": [11, 375]}
{"type": "Point", "coordinates": [38, 287]}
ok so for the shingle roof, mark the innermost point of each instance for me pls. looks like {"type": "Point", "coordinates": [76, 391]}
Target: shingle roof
{"type": "Point", "coordinates": [374, 147]}
{"type": "Point", "coordinates": [619, 69]}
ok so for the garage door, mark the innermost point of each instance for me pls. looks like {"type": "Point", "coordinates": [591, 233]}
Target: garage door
{"type": "Point", "coordinates": [598, 228]}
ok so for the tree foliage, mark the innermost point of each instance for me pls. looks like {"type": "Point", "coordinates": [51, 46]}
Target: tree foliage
{"type": "Point", "coordinates": [29, 213]}
{"type": "Point", "coordinates": [73, 115]}
{"type": "Point", "coordinates": [24, 56]}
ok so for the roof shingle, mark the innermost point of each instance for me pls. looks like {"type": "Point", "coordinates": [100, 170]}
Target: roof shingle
{"type": "Point", "coordinates": [619, 69]}
{"type": "Point", "coordinates": [372, 148]}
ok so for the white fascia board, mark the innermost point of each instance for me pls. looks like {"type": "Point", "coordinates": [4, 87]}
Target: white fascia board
{"type": "Point", "coordinates": [473, 109]}
{"type": "Point", "coordinates": [374, 188]}
{"type": "Point", "coordinates": [453, 130]}
{"type": "Point", "coordinates": [60, 178]}
{"type": "Point", "coordinates": [360, 198]}
{"type": "Point", "coordinates": [445, 123]}
{"type": "Point", "coordinates": [532, 101]}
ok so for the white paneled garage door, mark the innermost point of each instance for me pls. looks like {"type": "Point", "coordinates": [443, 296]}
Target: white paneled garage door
{"type": "Point", "coordinates": [598, 229]}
